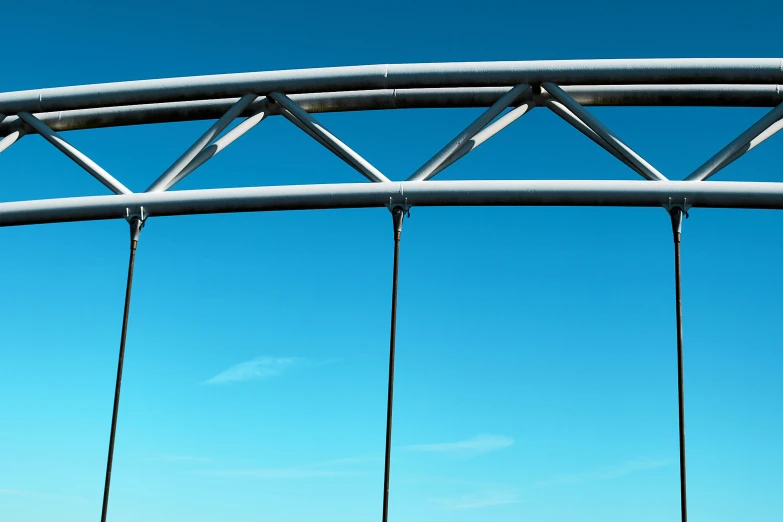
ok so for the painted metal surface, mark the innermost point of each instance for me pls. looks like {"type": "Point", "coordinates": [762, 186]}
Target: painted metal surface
{"type": "Point", "coordinates": [640, 193]}
{"type": "Point", "coordinates": [508, 89]}
{"type": "Point", "coordinates": [565, 87]}
{"type": "Point", "coordinates": [400, 76]}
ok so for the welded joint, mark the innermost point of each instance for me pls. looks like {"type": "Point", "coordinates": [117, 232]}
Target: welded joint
{"type": "Point", "coordinates": [136, 219]}
{"type": "Point", "coordinates": [682, 204]}
{"type": "Point", "coordinates": [676, 210]}
{"type": "Point", "coordinates": [399, 210]}
{"type": "Point", "coordinates": [136, 213]}
{"type": "Point", "coordinates": [400, 204]}
{"type": "Point", "coordinates": [398, 215]}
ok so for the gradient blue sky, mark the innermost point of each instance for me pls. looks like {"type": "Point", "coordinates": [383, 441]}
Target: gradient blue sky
{"type": "Point", "coordinates": [536, 371]}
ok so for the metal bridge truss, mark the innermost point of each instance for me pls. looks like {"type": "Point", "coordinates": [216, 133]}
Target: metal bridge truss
{"type": "Point", "coordinates": [508, 91]}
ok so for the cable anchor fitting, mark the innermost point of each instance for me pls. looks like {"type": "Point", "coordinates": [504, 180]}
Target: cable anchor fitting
{"type": "Point", "coordinates": [676, 209]}
{"type": "Point", "coordinates": [399, 204]}
{"type": "Point", "coordinates": [136, 218]}
{"type": "Point", "coordinates": [399, 210]}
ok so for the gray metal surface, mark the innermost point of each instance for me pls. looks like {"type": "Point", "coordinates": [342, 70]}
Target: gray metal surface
{"type": "Point", "coordinates": [218, 145]}
{"type": "Point", "coordinates": [756, 133]}
{"type": "Point", "coordinates": [322, 135]}
{"type": "Point", "coordinates": [568, 116]}
{"type": "Point", "coordinates": [399, 76]}
{"type": "Point", "coordinates": [486, 133]}
{"type": "Point", "coordinates": [165, 179]}
{"type": "Point", "coordinates": [565, 87]}
{"type": "Point", "coordinates": [74, 154]}
{"type": "Point", "coordinates": [10, 139]}
{"type": "Point", "coordinates": [508, 89]}
{"type": "Point", "coordinates": [418, 193]}
{"type": "Point", "coordinates": [742, 95]}
{"type": "Point", "coordinates": [640, 165]}
{"type": "Point", "coordinates": [429, 169]}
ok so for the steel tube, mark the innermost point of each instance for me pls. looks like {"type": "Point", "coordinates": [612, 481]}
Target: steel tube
{"type": "Point", "coordinates": [11, 139]}
{"type": "Point", "coordinates": [602, 130]}
{"type": "Point", "coordinates": [220, 144]}
{"type": "Point", "coordinates": [72, 152]}
{"type": "Point", "coordinates": [165, 179]}
{"type": "Point", "coordinates": [486, 133]}
{"type": "Point", "coordinates": [562, 111]}
{"type": "Point", "coordinates": [399, 76]}
{"type": "Point", "coordinates": [310, 132]}
{"type": "Point", "coordinates": [389, 99]}
{"type": "Point", "coordinates": [335, 145]}
{"type": "Point", "coordinates": [770, 131]}
{"type": "Point", "coordinates": [428, 170]}
{"type": "Point", "coordinates": [740, 145]}
{"type": "Point", "coordinates": [619, 193]}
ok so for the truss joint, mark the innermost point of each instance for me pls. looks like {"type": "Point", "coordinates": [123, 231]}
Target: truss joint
{"type": "Point", "coordinates": [399, 204]}
{"type": "Point", "coordinates": [678, 204]}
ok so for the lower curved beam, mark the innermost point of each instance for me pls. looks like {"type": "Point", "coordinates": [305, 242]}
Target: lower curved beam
{"type": "Point", "coordinates": [417, 193]}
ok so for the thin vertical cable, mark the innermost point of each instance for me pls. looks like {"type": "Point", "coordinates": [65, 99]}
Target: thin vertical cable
{"type": "Point", "coordinates": [676, 215]}
{"type": "Point", "coordinates": [135, 230]}
{"type": "Point", "coordinates": [397, 216]}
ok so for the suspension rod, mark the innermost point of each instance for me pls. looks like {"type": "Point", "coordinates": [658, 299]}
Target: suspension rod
{"type": "Point", "coordinates": [676, 217]}
{"type": "Point", "coordinates": [397, 217]}
{"type": "Point", "coordinates": [136, 224]}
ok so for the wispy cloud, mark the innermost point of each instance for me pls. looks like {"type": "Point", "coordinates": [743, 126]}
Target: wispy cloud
{"type": "Point", "coordinates": [348, 461]}
{"type": "Point", "coordinates": [278, 473]}
{"type": "Point", "coordinates": [33, 494]}
{"type": "Point", "coordinates": [16, 492]}
{"type": "Point", "coordinates": [258, 368]}
{"type": "Point", "coordinates": [167, 457]}
{"type": "Point", "coordinates": [474, 446]}
{"type": "Point", "coordinates": [481, 500]}
{"type": "Point", "coordinates": [605, 473]}
{"type": "Point", "coordinates": [322, 469]}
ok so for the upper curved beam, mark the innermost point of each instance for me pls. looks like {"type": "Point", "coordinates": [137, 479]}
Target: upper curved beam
{"type": "Point", "coordinates": [399, 76]}
{"type": "Point", "coordinates": [366, 195]}
{"type": "Point", "coordinates": [386, 99]}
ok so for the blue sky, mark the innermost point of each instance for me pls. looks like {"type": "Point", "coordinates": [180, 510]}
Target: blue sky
{"type": "Point", "coordinates": [536, 362]}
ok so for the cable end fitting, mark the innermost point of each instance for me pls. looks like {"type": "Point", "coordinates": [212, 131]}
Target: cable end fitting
{"type": "Point", "coordinates": [399, 210]}
{"type": "Point", "coordinates": [676, 215]}
{"type": "Point", "coordinates": [676, 210]}
{"type": "Point", "coordinates": [398, 214]}
{"type": "Point", "coordinates": [136, 221]}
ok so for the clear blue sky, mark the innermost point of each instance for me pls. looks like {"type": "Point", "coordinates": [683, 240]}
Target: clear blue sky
{"type": "Point", "coordinates": [536, 371]}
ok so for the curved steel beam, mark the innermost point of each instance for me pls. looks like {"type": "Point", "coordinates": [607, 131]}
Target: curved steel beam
{"type": "Point", "coordinates": [387, 99]}
{"type": "Point", "coordinates": [366, 195]}
{"type": "Point", "coordinates": [399, 76]}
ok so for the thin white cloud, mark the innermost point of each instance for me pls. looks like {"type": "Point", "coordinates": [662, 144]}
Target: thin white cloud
{"type": "Point", "coordinates": [474, 446]}
{"type": "Point", "coordinates": [258, 368]}
{"type": "Point", "coordinates": [182, 459]}
{"type": "Point", "coordinates": [278, 473]}
{"type": "Point", "coordinates": [606, 473]}
{"type": "Point", "coordinates": [482, 499]}
{"type": "Point", "coordinates": [349, 461]}
{"type": "Point", "coordinates": [322, 469]}
{"type": "Point", "coordinates": [16, 492]}
{"type": "Point", "coordinates": [33, 494]}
